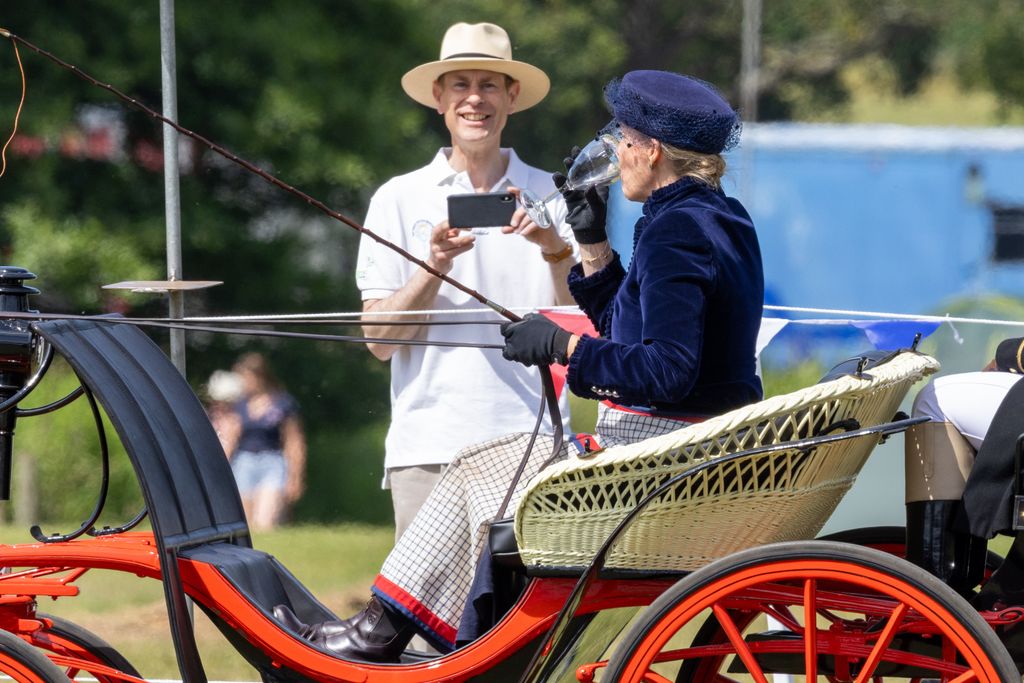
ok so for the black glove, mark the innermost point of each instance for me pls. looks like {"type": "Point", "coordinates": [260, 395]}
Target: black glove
{"type": "Point", "coordinates": [587, 211]}
{"type": "Point", "coordinates": [535, 340]}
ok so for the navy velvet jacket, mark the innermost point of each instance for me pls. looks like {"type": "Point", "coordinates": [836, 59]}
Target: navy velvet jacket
{"type": "Point", "coordinates": [678, 331]}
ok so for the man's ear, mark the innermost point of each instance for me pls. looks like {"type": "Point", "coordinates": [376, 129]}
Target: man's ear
{"type": "Point", "coordinates": [513, 95]}
{"type": "Point", "coordinates": [437, 89]}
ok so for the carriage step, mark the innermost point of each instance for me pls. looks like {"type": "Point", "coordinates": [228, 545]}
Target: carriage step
{"type": "Point", "coordinates": [793, 663]}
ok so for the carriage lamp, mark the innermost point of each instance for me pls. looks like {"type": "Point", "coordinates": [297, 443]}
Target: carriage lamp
{"type": "Point", "coordinates": [15, 359]}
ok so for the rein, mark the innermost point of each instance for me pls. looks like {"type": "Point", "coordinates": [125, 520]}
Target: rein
{"type": "Point", "coordinates": [253, 168]}
{"type": "Point", "coordinates": [549, 398]}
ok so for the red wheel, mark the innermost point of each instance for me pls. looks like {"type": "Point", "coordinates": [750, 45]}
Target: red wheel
{"type": "Point", "coordinates": [81, 651]}
{"type": "Point", "coordinates": [876, 618]}
{"type": "Point", "coordinates": [23, 663]}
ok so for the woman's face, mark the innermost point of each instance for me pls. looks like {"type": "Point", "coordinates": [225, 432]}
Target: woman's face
{"type": "Point", "coordinates": [251, 383]}
{"type": "Point", "coordinates": [634, 152]}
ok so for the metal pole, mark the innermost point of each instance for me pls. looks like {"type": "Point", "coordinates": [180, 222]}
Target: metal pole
{"type": "Point", "coordinates": [750, 63]}
{"type": "Point", "coordinates": [172, 211]}
{"type": "Point", "coordinates": [750, 76]}
{"type": "Point", "coordinates": [172, 196]}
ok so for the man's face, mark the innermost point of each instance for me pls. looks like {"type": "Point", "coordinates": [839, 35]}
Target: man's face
{"type": "Point", "coordinates": [475, 104]}
{"type": "Point", "coordinates": [634, 152]}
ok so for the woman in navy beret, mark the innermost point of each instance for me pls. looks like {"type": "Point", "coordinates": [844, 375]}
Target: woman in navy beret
{"type": "Point", "coordinates": [678, 328]}
{"type": "Point", "coordinates": [677, 344]}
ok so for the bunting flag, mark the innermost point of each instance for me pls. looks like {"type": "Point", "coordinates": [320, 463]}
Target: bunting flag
{"type": "Point", "coordinates": [577, 323]}
{"type": "Point", "coordinates": [889, 335]}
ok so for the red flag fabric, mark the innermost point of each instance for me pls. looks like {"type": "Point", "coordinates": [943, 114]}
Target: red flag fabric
{"type": "Point", "coordinates": [577, 323]}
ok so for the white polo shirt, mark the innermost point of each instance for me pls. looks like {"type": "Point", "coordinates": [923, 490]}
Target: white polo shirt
{"type": "Point", "coordinates": [445, 398]}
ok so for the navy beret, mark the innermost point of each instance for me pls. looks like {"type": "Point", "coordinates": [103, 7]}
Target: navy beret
{"type": "Point", "coordinates": [681, 111]}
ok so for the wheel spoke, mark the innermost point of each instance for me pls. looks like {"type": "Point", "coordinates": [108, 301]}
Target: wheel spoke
{"type": "Point", "coordinates": [736, 638]}
{"type": "Point", "coordinates": [965, 677]}
{"type": "Point", "coordinates": [811, 629]}
{"type": "Point", "coordinates": [895, 619]}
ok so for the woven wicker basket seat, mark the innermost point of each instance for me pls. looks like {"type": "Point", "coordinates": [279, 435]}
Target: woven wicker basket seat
{"type": "Point", "coordinates": [568, 510]}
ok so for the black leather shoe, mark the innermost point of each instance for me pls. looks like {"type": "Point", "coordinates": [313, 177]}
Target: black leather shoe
{"type": "Point", "coordinates": [290, 621]}
{"type": "Point", "coordinates": [1005, 587]}
{"type": "Point", "coordinates": [377, 635]}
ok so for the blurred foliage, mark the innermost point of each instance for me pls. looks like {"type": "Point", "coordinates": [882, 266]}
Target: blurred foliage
{"type": "Point", "coordinates": [310, 91]}
{"type": "Point", "coordinates": [63, 448]}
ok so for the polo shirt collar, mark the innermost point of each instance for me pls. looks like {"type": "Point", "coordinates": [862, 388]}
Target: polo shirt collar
{"type": "Point", "coordinates": [517, 174]}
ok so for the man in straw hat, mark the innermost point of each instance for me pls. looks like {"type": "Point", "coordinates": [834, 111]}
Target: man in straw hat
{"type": "Point", "coordinates": [444, 398]}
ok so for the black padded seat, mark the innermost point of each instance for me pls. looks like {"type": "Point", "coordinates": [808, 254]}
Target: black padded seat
{"type": "Point", "coordinates": [261, 579]}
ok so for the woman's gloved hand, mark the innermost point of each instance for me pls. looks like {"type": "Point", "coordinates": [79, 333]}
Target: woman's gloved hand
{"type": "Point", "coordinates": [588, 210]}
{"type": "Point", "coordinates": [535, 340]}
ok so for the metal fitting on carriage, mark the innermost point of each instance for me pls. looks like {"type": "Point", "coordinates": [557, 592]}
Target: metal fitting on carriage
{"type": "Point", "coordinates": [15, 338]}
{"type": "Point", "coordinates": [16, 344]}
{"type": "Point", "coordinates": [14, 294]}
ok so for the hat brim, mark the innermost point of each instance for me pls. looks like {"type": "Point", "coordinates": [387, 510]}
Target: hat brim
{"type": "Point", "coordinates": [534, 84]}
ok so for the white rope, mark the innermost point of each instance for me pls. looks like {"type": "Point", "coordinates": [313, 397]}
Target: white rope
{"type": "Point", "coordinates": [894, 316]}
{"type": "Point", "coordinates": [573, 309]}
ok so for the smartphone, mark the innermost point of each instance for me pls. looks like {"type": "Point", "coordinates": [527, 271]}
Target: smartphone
{"type": "Point", "coordinates": [481, 209]}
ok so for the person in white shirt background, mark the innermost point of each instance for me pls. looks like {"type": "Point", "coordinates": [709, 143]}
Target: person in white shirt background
{"type": "Point", "coordinates": [444, 398]}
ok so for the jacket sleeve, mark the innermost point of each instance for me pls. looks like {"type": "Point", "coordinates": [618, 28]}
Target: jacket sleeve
{"type": "Point", "coordinates": [676, 270]}
{"type": "Point", "coordinates": [595, 294]}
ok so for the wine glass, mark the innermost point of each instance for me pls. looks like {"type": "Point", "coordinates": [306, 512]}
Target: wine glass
{"type": "Point", "coordinates": [596, 165]}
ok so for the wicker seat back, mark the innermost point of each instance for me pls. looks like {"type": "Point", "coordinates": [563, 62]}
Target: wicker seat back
{"type": "Point", "coordinates": [569, 509]}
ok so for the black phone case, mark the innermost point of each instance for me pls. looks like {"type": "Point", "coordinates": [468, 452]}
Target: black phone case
{"type": "Point", "coordinates": [481, 209]}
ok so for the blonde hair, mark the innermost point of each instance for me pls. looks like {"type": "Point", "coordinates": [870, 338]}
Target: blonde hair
{"type": "Point", "coordinates": [707, 168]}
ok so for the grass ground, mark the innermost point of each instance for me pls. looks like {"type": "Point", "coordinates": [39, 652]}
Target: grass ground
{"type": "Point", "coordinates": [337, 564]}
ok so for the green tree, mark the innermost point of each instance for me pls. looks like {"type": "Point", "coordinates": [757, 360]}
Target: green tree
{"type": "Point", "coordinates": [310, 91]}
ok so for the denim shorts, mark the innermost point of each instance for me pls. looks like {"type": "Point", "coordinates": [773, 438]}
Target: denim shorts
{"type": "Point", "coordinates": [254, 471]}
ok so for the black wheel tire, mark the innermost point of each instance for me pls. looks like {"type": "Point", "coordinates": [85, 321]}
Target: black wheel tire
{"type": "Point", "coordinates": [833, 566]}
{"type": "Point", "coordinates": [65, 633]}
{"type": "Point", "coordinates": [879, 537]}
{"type": "Point", "coordinates": [25, 664]}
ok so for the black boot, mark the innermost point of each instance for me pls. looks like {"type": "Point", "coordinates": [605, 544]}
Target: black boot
{"type": "Point", "coordinates": [290, 621]}
{"type": "Point", "coordinates": [1005, 588]}
{"type": "Point", "coordinates": [378, 634]}
{"type": "Point", "coordinates": [957, 558]}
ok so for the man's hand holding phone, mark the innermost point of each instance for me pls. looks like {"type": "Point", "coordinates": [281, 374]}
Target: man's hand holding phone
{"type": "Point", "coordinates": [446, 243]}
{"type": "Point", "coordinates": [502, 210]}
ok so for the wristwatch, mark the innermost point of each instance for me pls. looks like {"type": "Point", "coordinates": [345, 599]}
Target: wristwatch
{"type": "Point", "coordinates": [558, 255]}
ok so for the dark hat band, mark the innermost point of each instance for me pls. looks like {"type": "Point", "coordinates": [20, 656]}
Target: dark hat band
{"type": "Point", "coordinates": [474, 55]}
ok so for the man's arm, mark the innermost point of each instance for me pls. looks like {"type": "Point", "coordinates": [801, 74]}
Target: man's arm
{"type": "Point", "coordinates": [560, 275]}
{"type": "Point", "coordinates": [555, 250]}
{"type": "Point", "coordinates": [419, 293]}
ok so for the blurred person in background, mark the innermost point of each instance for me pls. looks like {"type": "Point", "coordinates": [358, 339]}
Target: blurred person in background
{"type": "Point", "coordinates": [223, 390]}
{"type": "Point", "coordinates": [264, 440]}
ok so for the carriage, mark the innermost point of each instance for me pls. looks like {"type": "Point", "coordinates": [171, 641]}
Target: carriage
{"type": "Point", "coordinates": [685, 557]}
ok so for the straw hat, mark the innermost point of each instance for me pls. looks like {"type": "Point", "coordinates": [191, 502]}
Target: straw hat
{"type": "Point", "coordinates": [477, 46]}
